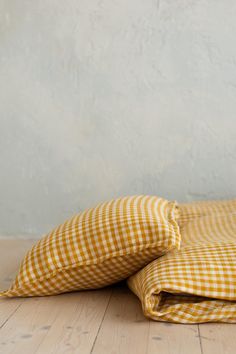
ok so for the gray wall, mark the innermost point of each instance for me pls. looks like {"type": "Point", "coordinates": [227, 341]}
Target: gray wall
{"type": "Point", "coordinates": [102, 98]}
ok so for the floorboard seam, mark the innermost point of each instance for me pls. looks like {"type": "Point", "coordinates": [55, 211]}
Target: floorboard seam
{"type": "Point", "coordinates": [10, 316]}
{"type": "Point", "coordinates": [200, 339]}
{"type": "Point", "coordinates": [95, 340]}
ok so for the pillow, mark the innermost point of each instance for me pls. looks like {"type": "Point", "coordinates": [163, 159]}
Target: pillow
{"type": "Point", "coordinates": [99, 246]}
{"type": "Point", "coordinates": [196, 283]}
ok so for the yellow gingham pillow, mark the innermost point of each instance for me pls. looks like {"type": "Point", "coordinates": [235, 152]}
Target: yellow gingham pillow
{"type": "Point", "coordinates": [98, 247]}
{"type": "Point", "coordinates": [196, 283]}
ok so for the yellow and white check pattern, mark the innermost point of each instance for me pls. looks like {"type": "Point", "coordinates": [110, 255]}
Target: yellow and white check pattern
{"type": "Point", "coordinates": [190, 211]}
{"type": "Point", "coordinates": [198, 282]}
{"type": "Point", "coordinates": [99, 247]}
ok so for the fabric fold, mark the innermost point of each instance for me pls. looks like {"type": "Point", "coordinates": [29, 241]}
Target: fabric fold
{"type": "Point", "coordinates": [198, 282]}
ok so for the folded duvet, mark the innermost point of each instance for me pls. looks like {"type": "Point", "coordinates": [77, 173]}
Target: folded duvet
{"type": "Point", "coordinates": [198, 282]}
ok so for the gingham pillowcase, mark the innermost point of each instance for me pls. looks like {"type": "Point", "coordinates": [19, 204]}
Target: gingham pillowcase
{"type": "Point", "coordinates": [99, 247]}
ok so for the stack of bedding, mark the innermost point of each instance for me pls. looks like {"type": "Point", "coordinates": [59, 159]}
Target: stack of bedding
{"type": "Point", "coordinates": [180, 260]}
{"type": "Point", "coordinates": [198, 282]}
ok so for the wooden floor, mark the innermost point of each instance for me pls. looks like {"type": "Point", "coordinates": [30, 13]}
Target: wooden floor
{"type": "Point", "coordinates": [103, 321]}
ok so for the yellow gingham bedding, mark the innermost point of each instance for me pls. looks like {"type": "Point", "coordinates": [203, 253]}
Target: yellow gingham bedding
{"type": "Point", "coordinates": [198, 282]}
{"type": "Point", "coordinates": [99, 246]}
{"type": "Point", "coordinates": [190, 211]}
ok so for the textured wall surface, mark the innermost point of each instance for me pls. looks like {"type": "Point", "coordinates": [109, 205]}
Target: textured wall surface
{"type": "Point", "coordinates": [105, 98]}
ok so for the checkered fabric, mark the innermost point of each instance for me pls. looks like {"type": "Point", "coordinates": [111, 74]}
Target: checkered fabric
{"type": "Point", "coordinates": [190, 211]}
{"type": "Point", "coordinates": [99, 247]}
{"type": "Point", "coordinates": [198, 282]}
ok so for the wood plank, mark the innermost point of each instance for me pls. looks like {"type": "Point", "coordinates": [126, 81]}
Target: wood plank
{"type": "Point", "coordinates": [124, 328]}
{"type": "Point", "coordinates": [218, 338]}
{"type": "Point", "coordinates": [11, 253]}
{"type": "Point", "coordinates": [56, 324]}
{"type": "Point", "coordinates": [172, 338]}
{"type": "Point", "coordinates": [7, 309]}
